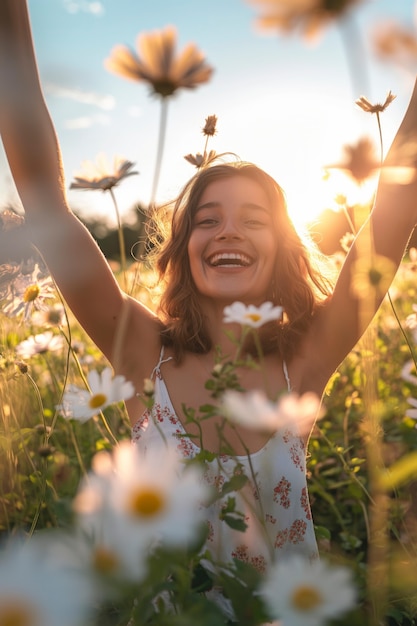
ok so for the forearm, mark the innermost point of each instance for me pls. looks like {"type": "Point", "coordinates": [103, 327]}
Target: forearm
{"type": "Point", "coordinates": [26, 128]}
{"type": "Point", "coordinates": [396, 199]}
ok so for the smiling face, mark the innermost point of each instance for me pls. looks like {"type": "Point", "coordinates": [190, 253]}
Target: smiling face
{"type": "Point", "coordinates": [232, 247]}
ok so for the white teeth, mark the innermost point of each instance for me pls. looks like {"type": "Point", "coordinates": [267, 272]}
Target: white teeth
{"type": "Point", "coordinates": [227, 258]}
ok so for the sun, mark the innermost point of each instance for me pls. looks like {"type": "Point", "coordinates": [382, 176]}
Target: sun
{"type": "Point", "coordinates": [323, 190]}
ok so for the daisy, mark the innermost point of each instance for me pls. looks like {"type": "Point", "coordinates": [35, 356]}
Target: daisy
{"type": "Point", "coordinates": [82, 404]}
{"type": "Point", "coordinates": [364, 104]}
{"type": "Point", "coordinates": [393, 41]}
{"type": "Point", "coordinates": [406, 374]}
{"type": "Point", "coordinates": [98, 549]}
{"type": "Point", "coordinates": [310, 16]}
{"type": "Point", "coordinates": [27, 293]}
{"type": "Point", "coordinates": [34, 593]}
{"type": "Point", "coordinates": [254, 410]}
{"type": "Point", "coordinates": [52, 316]}
{"type": "Point", "coordinates": [100, 175]}
{"type": "Point", "coordinates": [39, 344]}
{"type": "Point", "coordinates": [155, 498]}
{"type": "Point", "coordinates": [158, 64]}
{"type": "Point", "coordinates": [304, 593]}
{"type": "Point", "coordinates": [201, 160]}
{"type": "Point", "coordinates": [360, 161]}
{"type": "Point", "coordinates": [251, 315]}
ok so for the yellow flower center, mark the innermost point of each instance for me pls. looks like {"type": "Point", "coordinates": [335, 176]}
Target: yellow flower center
{"type": "Point", "coordinates": [14, 613]}
{"type": "Point", "coordinates": [147, 502]}
{"type": "Point", "coordinates": [105, 561]}
{"type": "Point", "coordinates": [254, 317]}
{"type": "Point", "coordinates": [306, 598]}
{"type": "Point", "coordinates": [31, 293]}
{"type": "Point", "coordinates": [97, 401]}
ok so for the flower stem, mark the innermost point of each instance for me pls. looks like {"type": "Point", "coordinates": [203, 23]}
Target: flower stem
{"type": "Point", "coordinates": [160, 151]}
{"type": "Point", "coordinates": [121, 239]}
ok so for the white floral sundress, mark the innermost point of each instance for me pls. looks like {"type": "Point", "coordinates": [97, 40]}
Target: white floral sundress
{"type": "Point", "coordinates": [274, 500]}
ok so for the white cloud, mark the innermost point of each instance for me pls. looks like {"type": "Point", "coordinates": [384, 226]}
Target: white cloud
{"type": "Point", "coordinates": [106, 102]}
{"type": "Point", "coordinates": [87, 121]}
{"type": "Point", "coordinates": [74, 6]}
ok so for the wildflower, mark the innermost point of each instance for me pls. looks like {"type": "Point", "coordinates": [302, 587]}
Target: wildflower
{"type": "Point", "coordinates": [99, 548]}
{"type": "Point", "coordinates": [33, 592]}
{"type": "Point", "coordinates": [209, 128]}
{"type": "Point", "coordinates": [153, 497]}
{"type": "Point", "coordinates": [406, 374]}
{"type": "Point", "coordinates": [158, 65]}
{"type": "Point", "coordinates": [10, 219]}
{"type": "Point", "coordinates": [372, 274]}
{"type": "Point", "coordinates": [304, 593]}
{"type": "Point", "coordinates": [392, 41]}
{"type": "Point", "coordinates": [251, 315]}
{"type": "Point", "coordinates": [51, 316]}
{"type": "Point", "coordinates": [309, 15]}
{"type": "Point", "coordinates": [8, 272]}
{"type": "Point", "coordinates": [27, 293]}
{"type": "Point", "coordinates": [360, 162]}
{"type": "Point", "coordinates": [346, 241]}
{"type": "Point", "coordinates": [412, 412]}
{"type": "Point", "coordinates": [148, 387]}
{"type": "Point", "coordinates": [100, 175]}
{"type": "Point", "coordinates": [82, 404]}
{"type": "Point", "coordinates": [364, 104]}
{"type": "Point", "coordinates": [201, 160]}
{"type": "Point", "coordinates": [411, 322]}
{"type": "Point", "coordinates": [39, 344]}
{"type": "Point", "coordinates": [254, 410]}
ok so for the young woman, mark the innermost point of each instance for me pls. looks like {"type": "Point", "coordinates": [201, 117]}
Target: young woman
{"type": "Point", "coordinates": [231, 240]}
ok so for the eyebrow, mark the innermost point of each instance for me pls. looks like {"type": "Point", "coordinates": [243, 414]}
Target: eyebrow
{"type": "Point", "coordinates": [245, 205]}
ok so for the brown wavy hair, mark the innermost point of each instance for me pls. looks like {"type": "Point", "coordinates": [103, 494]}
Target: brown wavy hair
{"type": "Point", "coordinates": [298, 284]}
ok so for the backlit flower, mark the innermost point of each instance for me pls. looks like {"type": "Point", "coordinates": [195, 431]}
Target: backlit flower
{"type": "Point", "coordinates": [158, 64]}
{"type": "Point", "coordinates": [51, 316]}
{"type": "Point", "coordinates": [309, 16]}
{"type": "Point", "coordinates": [27, 293]}
{"type": "Point", "coordinates": [209, 128]}
{"type": "Point", "coordinates": [100, 175]}
{"type": "Point", "coordinates": [372, 275]}
{"type": "Point", "coordinates": [304, 593]}
{"type": "Point", "coordinates": [395, 42]}
{"type": "Point", "coordinates": [82, 404]}
{"type": "Point", "coordinates": [406, 374]}
{"type": "Point", "coordinates": [154, 497]}
{"type": "Point", "coordinates": [251, 315]}
{"type": "Point", "coordinates": [34, 593]}
{"type": "Point", "coordinates": [201, 160]}
{"type": "Point", "coordinates": [254, 410]}
{"type": "Point", "coordinates": [39, 344]}
{"type": "Point", "coordinates": [367, 106]}
{"type": "Point", "coordinates": [360, 161]}
{"type": "Point", "coordinates": [99, 548]}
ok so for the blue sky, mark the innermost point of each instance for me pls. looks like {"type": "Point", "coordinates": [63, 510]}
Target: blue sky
{"type": "Point", "coordinates": [282, 103]}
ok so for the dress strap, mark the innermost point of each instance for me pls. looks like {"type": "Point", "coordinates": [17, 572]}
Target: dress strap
{"type": "Point", "coordinates": [157, 369]}
{"type": "Point", "coordinates": [287, 376]}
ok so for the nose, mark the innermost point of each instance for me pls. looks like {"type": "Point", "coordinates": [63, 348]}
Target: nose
{"type": "Point", "coordinates": [229, 230]}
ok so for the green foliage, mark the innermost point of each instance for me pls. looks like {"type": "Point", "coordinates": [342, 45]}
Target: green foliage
{"type": "Point", "coordinates": [43, 457]}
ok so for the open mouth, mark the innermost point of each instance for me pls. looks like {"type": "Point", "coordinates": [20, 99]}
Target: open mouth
{"type": "Point", "coordinates": [229, 259]}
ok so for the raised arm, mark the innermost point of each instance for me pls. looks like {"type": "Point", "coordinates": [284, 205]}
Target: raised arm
{"type": "Point", "coordinates": [31, 145]}
{"type": "Point", "coordinates": [385, 234]}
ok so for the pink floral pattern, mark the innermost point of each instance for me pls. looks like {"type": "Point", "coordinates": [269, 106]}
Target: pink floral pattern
{"type": "Point", "coordinates": [274, 503]}
{"type": "Point", "coordinates": [305, 504]}
{"type": "Point", "coordinates": [242, 553]}
{"type": "Point", "coordinates": [282, 493]}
